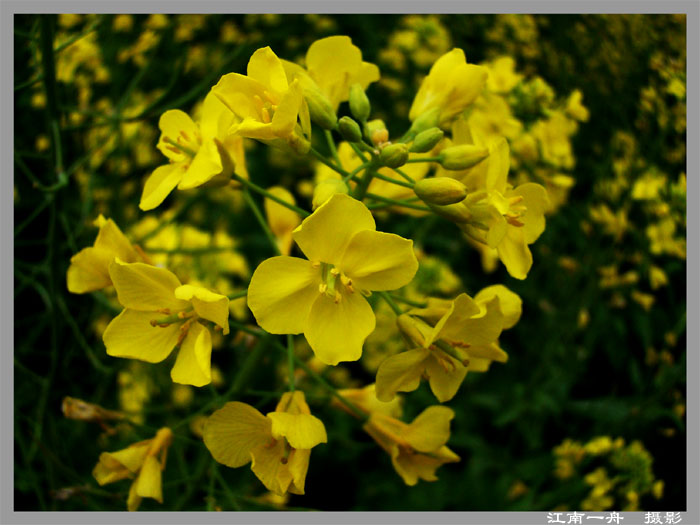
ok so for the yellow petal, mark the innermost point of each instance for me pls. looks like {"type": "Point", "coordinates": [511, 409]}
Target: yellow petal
{"type": "Point", "coordinates": [400, 373]}
{"type": "Point", "coordinates": [379, 261]}
{"type": "Point", "coordinates": [148, 484]}
{"type": "Point", "coordinates": [237, 93]}
{"type": "Point", "coordinates": [131, 457]}
{"type": "Point", "coordinates": [293, 403]}
{"type": "Point", "coordinates": [271, 467]}
{"type": "Point", "coordinates": [205, 166]}
{"type": "Point", "coordinates": [514, 253]}
{"type": "Point", "coordinates": [176, 127]}
{"type": "Point", "coordinates": [412, 467]}
{"type": "Point", "coordinates": [536, 200]}
{"type": "Point", "coordinates": [281, 293]}
{"type": "Point", "coordinates": [131, 335]}
{"type": "Point", "coordinates": [499, 164]}
{"type": "Point", "coordinates": [336, 331]}
{"type": "Point", "coordinates": [266, 68]}
{"type": "Point", "coordinates": [298, 466]}
{"type": "Point", "coordinates": [232, 431]}
{"type": "Point", "coordinates": [301, 430]}
{"type": "Point", "coordinates": [285, 118]}
{"type": "Point", "coordinates": [89, 270]}
{"type": "Point", "coordinates": [216, 118]}
{"type": "Point", "coordinates": [159, 185]}
{"type": "Point", "coordinates": [510, 303]}
{"type": "Point", "coordinates": [104, 475]}
{"type": "Point", "coordinates": [431, 429]}
{"type": "Point", "coordinates": [133, 501]}
{"type": "Point", "coordinates": [445, 383]}
{"type": "Point", "coordinates": [474, 329]}
{"type": "Point", "coordinates": [208, 305]}
{"type": "Point", "coordinates": [144, 287]}
{"type": "Point", "coordinates": [491, 352]}
{"type": "Point", "coordinates": [324, 235]}
{"type": "Point", "coordinates": [193, 364]}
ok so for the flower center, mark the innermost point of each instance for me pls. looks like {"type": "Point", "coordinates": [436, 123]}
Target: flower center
{"type": "Point", "coordinates": [334, 282]}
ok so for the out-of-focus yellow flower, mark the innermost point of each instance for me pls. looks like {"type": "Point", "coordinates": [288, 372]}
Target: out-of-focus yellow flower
{"type": "Point", "coordinates": [89, 268]}
{"type": "Point", "coordinates": [502, 77]}
{"type": "Point", "coordinates": [366, 399]}
{"type": "Point", "coordinates": [416, 449]}
{"type": "Point", "coordinates": [144, 461]}
{"type": "Point", "coordinates": [281, 219]}
{"type": "Point", "coordinates": [278, 444]}
{"type": "Point", "coordinates": [123, 22]}
{"type": "Point", "coordinates": [74, 408]}
{"type": "Point", "coordinates": [197, 152]}
{"type": "Point", "coordinates": [451, 86]}
{"type": "Point", "coordinates": [267, 104]}
{"type": "Point", "coordinates": [575, 108]}
{"type": "Point", "coordinates": [161, 313]}
{"type": "Point", "coordinates": [323, 297]}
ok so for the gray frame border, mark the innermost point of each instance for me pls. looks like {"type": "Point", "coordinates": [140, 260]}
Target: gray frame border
{"type": "Point", "coordinates": [10, 7]}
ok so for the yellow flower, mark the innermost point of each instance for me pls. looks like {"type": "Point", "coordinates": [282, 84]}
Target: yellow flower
{"type": "Point", "coordinates": [335, 64]}
{"type": "Point", "coordinates": [278, 444]}
{"type": "Point", "coordinates": [89, 268]}
{"type": "Point", "coordinates": [267, 104]}
{"type": "Point", "coordinates": [281, 219]}
{"type": "Point", "coordinates": [575, 108]}
{"type": "Point", "coordinates": [197, 152]}
{"type": "Point", "coordinates": [416, 449]}
{"type": "Point", "coordinates": [502, 77]}
{"type": "Point", "coordinates": [445, 337]}
{"type": "Point", "coordinates": [451, 86]}
{"type": "Point", "coordinates": [506, 218]}
{"type": "Point", "coordinates": [161, 313]}
{"type": "Point", "coordinates": [144, 461]}
{"type": "Point", "coordinates": [323, 297]}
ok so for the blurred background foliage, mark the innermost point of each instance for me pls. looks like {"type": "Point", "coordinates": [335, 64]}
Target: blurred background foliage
{"type": "Point", "coordinates": [589, 412]}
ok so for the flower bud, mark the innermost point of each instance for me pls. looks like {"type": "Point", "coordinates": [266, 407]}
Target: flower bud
{"type": "Point", "coordinates": [427, 140]}
{"type": "Point", "coordinates": [462, 157]}
{"type": "Point", "coordinates": [325, 189]}
{"type": "Point", "coordinates": [359, 103]}
{"type": "Point", "coordinates": [375, 131]}
{"type": "Point", "coordinates": [320, 108]}
{"type": "Point", "coordinates": [350, 130]}
{"type": "Point", "coordinates": [457, 212]}
{"type": "Point", "coordinates": [299, 143]}
{"type": "Point", "coordinates": [409, 328]}
{"type": "Point", "coordinates": [427, 120]}
{"type": "Point", "coordinates": [394, 155]}
{"type": "Point", "coordinates": [440, 190]}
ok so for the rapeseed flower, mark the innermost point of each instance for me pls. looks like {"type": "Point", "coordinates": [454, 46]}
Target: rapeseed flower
{"type": "Point", "coordinates": [143, 461]}
{"type": "Point", "coordinates": [278, 444]}
{"type": "Point", "coordinates": [323, 297]}
{"type": "Point", "coordinates": [159, 314]}
{"type": "Point", "coordinates": [198, 152]}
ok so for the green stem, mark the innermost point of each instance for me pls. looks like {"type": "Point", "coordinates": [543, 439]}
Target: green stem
{"type": "Point", "coordinates": [404, 204]}
{"type": "Point", "coordinates": [362, 186]}
{"type": "Point", "coordinates": [264, 192]}
{"type": "Point", "coordinates": [357, 151]}
{"type": "Point", "coordinates": [405, 175]}
{"type": "Point", "coordinates": [328, 163]}
{"type": "Point", "coordinates": [331, 146]}
{"type": "Point", "coordinates": [290, 361]}
{"type": "Point", "coordinates": [394, 181]}
{"type": "Point", "coordinates": [261, 220]}
{"type": "Point", "coordinates": [387, 298]}
{"type": "Point", "coordinates": [409, 302]}
{"type": "Point", "coordinates": [238, 295]}
{"type": "Point", "coordinates": [424, 159]}
{"type": "Point", "coordinates": [354, 172]}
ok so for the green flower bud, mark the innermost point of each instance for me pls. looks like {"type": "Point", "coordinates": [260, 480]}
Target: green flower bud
{"type": "Point", "coordinates": [453, 212]}
{"type": "Point", "coordinates": [325, 189]}
{"type": "Point", "coordinates": [320, 108]}
{"type": "Point", "coordinates": [440, 190]}
{"type": "Point", "coordinates": [359, 103]}
{"type": "Point", "coordinates": [427, 140]}
{"type": "Point", "coordinates": [349, 129]}
{"type": "Point", "coordinates": [427, 120]}
{"type": "Point", "coordinates": [375, 131]}
{"type": "Point", "coordinates": [394, 155]}
{"type": "Point", "coordinates": [462, 157]}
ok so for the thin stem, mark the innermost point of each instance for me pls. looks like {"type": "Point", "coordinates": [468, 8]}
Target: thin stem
{"type": "Point", "coordinates": [262, 191]}
{"type": "Point", "coordinates": [328, 163]}
{"type": "Point", "coordinates": [238, 295]}
{"type": "Point", "coordinates": [387, 298]}
{"type": "Point", "coordinates": [409, 302]}
{"type": "Point", "coordinates": [261, 220]}
{"type": "Point", "coordinates": [394, 202]}
{"type": "Point", "coordinates": [394, 181]}
{"type": "Point", "coordinates": [362, 186]}
{"type": "Point", "coordinates": [290, 361]}
{"type": "Point", "coordinates": [357, 151]}
{"type": "Point", "coordinates": [424, 159]}
{"type": "Point", "coordinates": [331, 146]}
{"type": "Point", "coordinates": [354, 172]}
{"type": "Point", "coordinates": [405, 175]}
